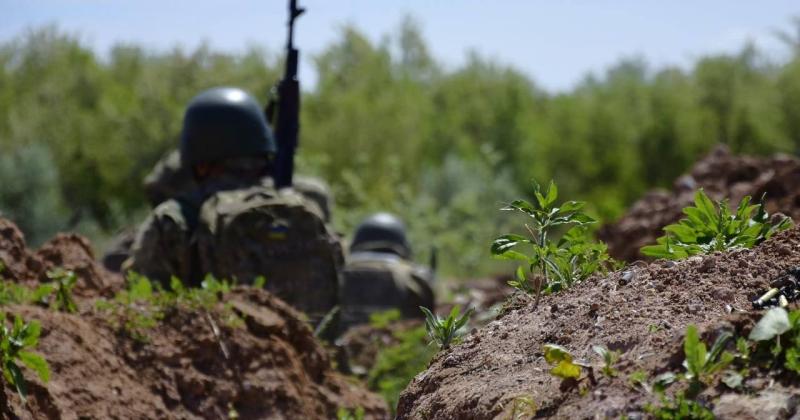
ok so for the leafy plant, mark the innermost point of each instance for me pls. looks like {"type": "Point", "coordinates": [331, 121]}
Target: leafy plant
{"type": "Point", "coordinates": [396, 365]}
{"type": "Point", "coordinates": [700, 364]}
{"type": "Point", "coordinates": [564, 366]}
{"type": "Point", "coordinates": [609, 357]}
{"type": "Point", "coordinates": [64, 282]}
{"type": "Point", "coordinates": [679, 408]}
{"type": "Point", "coordinates": [778, 336]}
{"type": "Point", "coordinates": [713, 227]}
{"type": "Point", "coordinates": [15, 346]}
{"type": "Point", "coordinates": [552, 265]}
{"type": "Point", "coordinates": [445, 331]}
{"type": "Point", "coordinates": [345, 414]}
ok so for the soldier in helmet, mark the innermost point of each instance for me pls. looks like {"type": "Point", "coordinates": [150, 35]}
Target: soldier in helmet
{"type": "Point", "coordinates": [234, 224]}
{"type": "Point", "coordinates": [379, 274]}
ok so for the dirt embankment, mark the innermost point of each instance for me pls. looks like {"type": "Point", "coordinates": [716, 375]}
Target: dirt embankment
{"type": "Point", "coordinates": [642, 312]}
{"type": "Point", "coordinates": [194, 365]}
{"type": "Point", "coordinates": [721, 175]}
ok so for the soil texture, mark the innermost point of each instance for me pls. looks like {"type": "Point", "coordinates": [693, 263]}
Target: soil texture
{"type": "Point", "coordinates": [196, 363]}
{"type": "Point", "coordinates": [722, 175]}
{"type": "Point", "coordinates": [642, 312]}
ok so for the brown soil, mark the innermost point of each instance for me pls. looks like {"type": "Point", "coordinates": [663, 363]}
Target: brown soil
{"type": "Point", "coordinates": [722, 175]}
{"type": "Point", "coordinates": [196, 364]}
{"type": "Point", "coordinates": [642, 312]}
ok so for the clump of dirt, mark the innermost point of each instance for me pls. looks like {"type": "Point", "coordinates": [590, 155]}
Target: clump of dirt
{"type": "Point", "coordinates": [722, 175]}
{"type": "Point", "coordinates": [642, 312]}
{"type": "Point", "coordinates": [264, 362]}
{"type": "Point", "coordinates": [68, 251]}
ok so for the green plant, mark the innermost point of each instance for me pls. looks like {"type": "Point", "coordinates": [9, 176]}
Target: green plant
{"type": "Point", "coordinates": [553, 266]}
{"type": "Point", "coordinates": [679, 408]}
{"type": "Point", "coordinates": [380, 320]}
{"type": "Point", "coordinates": [700, 364]}
{"type": "Point", "coordinates": [609, 357]}
{"type": "Point", "coordinates": [15, 346]}
{"type": "Point", "coordinates": [64, 282]}
{"type": "Point", "coordinates": [445, 331]}
{"type": "Point", "coordinates": [345, 414]}
{"type": "Point", "coordinates": [709, 228]}
{"type": "Point", "coordinates": [564, 365]}
{"type": "Point", "coordinates": [777, 335]}
{"type": "Point", "coordinates": [396, 365]}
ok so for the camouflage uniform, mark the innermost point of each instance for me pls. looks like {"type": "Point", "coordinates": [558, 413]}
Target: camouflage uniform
{"type": "Point", "coordinates": [232, 225]}
{"type": "Point", "coordinates": [380, 276]}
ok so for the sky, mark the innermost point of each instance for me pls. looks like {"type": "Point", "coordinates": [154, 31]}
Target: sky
{"type": "Point", "coordinates": [556, 42]}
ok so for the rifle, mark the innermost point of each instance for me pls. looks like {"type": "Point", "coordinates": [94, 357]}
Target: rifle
{"type": "Point", "coordinates": [287, 106]}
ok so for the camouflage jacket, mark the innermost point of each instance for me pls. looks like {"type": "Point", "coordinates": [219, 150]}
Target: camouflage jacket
{"type": "Point", "coordinates": [242, 234]}
{"type": "Point", "coordinates": [381, 281]}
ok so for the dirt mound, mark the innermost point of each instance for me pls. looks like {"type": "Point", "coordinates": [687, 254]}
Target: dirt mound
{"type": "Point", "coordinates": [642, 312]}
{"type": "Point", "coordinates": [251, 355]}
{"type": "Point", "coordinates": [721, 175]}
{"type": "Point", "coordinates": [67, 251]}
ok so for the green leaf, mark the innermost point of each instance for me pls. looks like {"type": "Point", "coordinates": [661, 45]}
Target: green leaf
{"type": "Point", "coordinates": [774, 323]}
{"type": "Point", "coordinates": [695, 352]}
{"type": "Point", "coordinates": [566, 369]}
{"type": "Point", "coordinates": [554, 353]}
{"type": "Point", "coordinates": [37, 364]}
{"type": "Point", "coordinates": [732, 379]}
{"type": "Point", "coordinates": [17, 379]}
{"type": "Point", "coordinates": [552, 194]}
{"type": "Point", "coordinates": [503, 244]}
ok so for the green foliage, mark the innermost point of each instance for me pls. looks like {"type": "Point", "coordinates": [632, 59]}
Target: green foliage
{"type": "Point", "coordinates": [554, 266]}
{"type": "Point", "coordinates": [777, 335]}
{"type": "Point", "coordinates": [379, 320]}
{"type": "Point", "coordinates": [610, 357]}
{"type": "Point", "coordinates": [679, 408]}
{"type": "Point", "coordinates": [709, 228]}
{"type": "Point", "coordinates": [564, 366]}
{"type": "Point", "coordinates": [395, 366]}
{"type": "Point", "coordinates": [64, 282]}
{"type": "Point", "coordinates": [15, 346]}
{"type": "Point", "coordinates": [387, 124]}
{"type": "Point", "coordinates": [701, 364]}
{"type": "Point", "coordinates": [139, 307]}
{"type": "Point", "coordinates": [345, 414]}
{"type": "Point", "coordinates": [445, 331]}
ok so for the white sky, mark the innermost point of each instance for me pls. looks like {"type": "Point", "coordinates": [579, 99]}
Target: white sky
{"type": "Point", "coordinates": [556, 42]}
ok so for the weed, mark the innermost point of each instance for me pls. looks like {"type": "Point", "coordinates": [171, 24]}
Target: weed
{"type": "Point", "coordinates": [709, 228]}
{"type": "Point", "coordinates": [553, 266]}
{"type": "Point", "coordinates": [777, 335]}
{"type": "Point", "coordinates": [445, 331]}
{"type": "Point", "coordinates": [15, 344]}
{"type": "Point", "coordinates": [701, 364]}
{"type": "Point", "coordinates": [679, 408]}
{"type": "Point", "coordinates": [64, 282]}
{"type": "Point", "coordinates": [609, 357]}
{"type": "Point", "coordinates": [565, 367]}
{"type": "Point", "coordinates": [396, 365]}
{"type": "Point", "coordinates": [345, 414]}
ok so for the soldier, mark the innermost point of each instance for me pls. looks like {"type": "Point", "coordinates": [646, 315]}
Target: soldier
{"type": "Point", "coordinates": [379, 274]}
{"type": "Point", "coordinates": [235, 224]}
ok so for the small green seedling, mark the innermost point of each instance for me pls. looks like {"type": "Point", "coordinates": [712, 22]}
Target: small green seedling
{"type": "Point", "coordinates": [563, 365]}
{"type": "Point", "coordinates": [15, 346]}
{"type": "Point", "coordinates": [701, 364]}
{"type": "Point", "coordinates": [64, 282]}
{"type": "Point", "coordinates": [709, 228]}
{"type": "Point", "coordinates": [778, 331]}
{"type": "Point", "coordinates": [345, 414]}
{"type": "Point", "coordinates": [609, 357]}
{"type": "Point", "coordinates": [445, 331]}
{"type": "Point", "coordinates": [551, 266]}
{"type": "Point", "coordinates": [679, 408]}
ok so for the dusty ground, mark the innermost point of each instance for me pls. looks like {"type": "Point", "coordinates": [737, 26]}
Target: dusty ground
{"type": "Point", "coordinates": [643, 313]}
{"type": "Point", "coordinates": [721, 175]}
{"type": "Point", "coordinates": [269, 367]}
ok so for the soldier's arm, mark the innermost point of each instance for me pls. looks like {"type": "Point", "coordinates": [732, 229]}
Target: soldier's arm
{"type": "Point", "coordinates": [161, 244]}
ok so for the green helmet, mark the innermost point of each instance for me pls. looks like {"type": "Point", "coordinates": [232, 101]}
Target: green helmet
{"type": "Point", "coordinates": [382, 232]}
{"type": "Point", "coordinates": [223, 123]}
